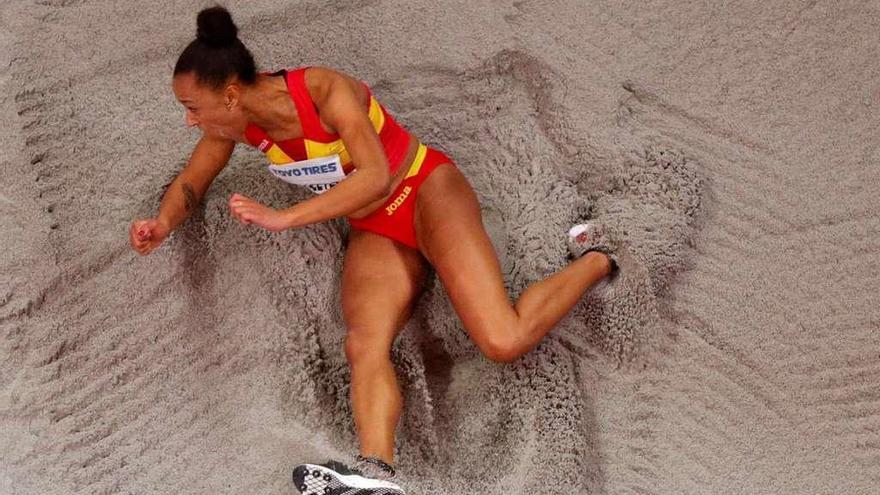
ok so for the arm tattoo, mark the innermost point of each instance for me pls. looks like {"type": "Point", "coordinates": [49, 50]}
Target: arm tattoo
{"type": "Point", "coordinates": [189, 197]}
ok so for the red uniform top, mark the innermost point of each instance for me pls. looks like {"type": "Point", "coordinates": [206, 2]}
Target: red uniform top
{"type": "Point", "coordinates": [318, 143]}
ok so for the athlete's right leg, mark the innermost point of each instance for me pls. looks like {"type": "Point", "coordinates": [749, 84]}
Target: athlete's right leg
{"type": "Point", "coordinates": [451, 235]}
{"type": "Point", "coordinates": [380, 281]}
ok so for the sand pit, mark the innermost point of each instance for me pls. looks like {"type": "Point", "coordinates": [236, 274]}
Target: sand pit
{"type": "Point", "coordinates": [735, 148]}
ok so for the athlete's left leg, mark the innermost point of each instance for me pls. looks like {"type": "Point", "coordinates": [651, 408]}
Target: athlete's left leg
{"type": "Point", "coordinates": [451, 236]}
{"type": "Point", "coordinates": [380, 282]}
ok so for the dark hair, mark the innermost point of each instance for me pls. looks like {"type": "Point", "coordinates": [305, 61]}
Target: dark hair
{"type": "Point", "coordinates": [216, 54]}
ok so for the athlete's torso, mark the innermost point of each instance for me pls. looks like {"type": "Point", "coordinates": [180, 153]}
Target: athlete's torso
{"type": "Point", "coordinates": [318, 159]}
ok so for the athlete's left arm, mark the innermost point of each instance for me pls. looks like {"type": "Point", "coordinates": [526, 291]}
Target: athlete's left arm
{"type": "Point", "coordinates": [340, 108]}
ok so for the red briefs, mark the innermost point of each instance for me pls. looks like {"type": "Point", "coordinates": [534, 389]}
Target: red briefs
{"type": "Point", "coordinates": [396, 218]}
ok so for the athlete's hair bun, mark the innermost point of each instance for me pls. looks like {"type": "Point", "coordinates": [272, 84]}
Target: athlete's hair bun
{"type": "Point", "coordinates": [215, 27]}
{"type": "Point", "coordinates": [217, 35]}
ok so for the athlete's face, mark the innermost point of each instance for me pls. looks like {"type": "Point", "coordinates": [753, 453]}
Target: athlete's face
{"type": "Point", "coordinates": [215, 112]}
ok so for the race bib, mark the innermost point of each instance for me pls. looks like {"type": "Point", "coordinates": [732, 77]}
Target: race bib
{"type": "Point", "coordinates": [318, 174]}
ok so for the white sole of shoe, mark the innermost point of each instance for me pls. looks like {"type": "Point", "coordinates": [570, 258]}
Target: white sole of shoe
{"type": "Point", "coordinates": [312, 479]}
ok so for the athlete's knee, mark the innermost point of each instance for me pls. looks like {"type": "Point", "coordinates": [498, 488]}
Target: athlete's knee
{"type": "Point", "coordinates": [501, 347]}
{"type": "Point", "coordinates": [363, 345]}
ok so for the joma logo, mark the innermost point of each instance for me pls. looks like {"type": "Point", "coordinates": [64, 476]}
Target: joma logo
{"type": "Point", "coordinates": [398, 201]}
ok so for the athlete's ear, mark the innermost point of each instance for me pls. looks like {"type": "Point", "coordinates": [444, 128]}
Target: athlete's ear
{"type": "Point", "coordinates": [231, 96]}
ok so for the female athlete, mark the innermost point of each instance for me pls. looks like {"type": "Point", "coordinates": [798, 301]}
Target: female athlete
{"type": "Point", "coordinates": [408, 206]}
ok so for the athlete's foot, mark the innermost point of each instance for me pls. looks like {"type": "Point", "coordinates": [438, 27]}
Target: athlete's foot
{"type": "Point", "coordinates": [591, 237]}
{"type": "Point", "coordinates": [369, 476]}
{"type": "Point", "coordinates": [373, 467]}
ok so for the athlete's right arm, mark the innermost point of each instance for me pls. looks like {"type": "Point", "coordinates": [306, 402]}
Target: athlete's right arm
{"type": "Point", "coordinates": [184, 193]}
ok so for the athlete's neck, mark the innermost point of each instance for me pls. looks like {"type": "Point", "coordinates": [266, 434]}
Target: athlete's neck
{"type": "Point", "coordinates": [267, 103]}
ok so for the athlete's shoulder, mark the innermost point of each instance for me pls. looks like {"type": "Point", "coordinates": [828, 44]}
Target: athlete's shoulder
{"type": "Point", "coordinates": [321, 72]}
{"type": "Point", "coordinates": [323, 81]}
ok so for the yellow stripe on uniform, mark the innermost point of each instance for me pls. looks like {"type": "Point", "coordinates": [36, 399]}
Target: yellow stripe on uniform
{"type": "Point", "coordinates": [417, 162]}
{"type": "Point", "coordinates": [277, 156]}
{"type": "Point", "coordinates": [315, 149]}
{"type": "Point", "coordinates": [377, 117]}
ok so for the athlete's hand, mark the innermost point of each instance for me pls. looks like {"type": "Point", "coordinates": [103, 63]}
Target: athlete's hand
{"type": "Point", "coordinates": [248, 211]}
{"type": "Point", "coordinates": [147, 235]}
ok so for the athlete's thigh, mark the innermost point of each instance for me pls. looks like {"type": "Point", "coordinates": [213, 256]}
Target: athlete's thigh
{"type": "Point", "coordinates": [380, 281]}
{"type": "Point", "coordinates": [451, 235]}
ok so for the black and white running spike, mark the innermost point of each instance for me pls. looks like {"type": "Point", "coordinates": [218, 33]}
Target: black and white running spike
{"type": "Point", "coordinates": [335, 478]}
